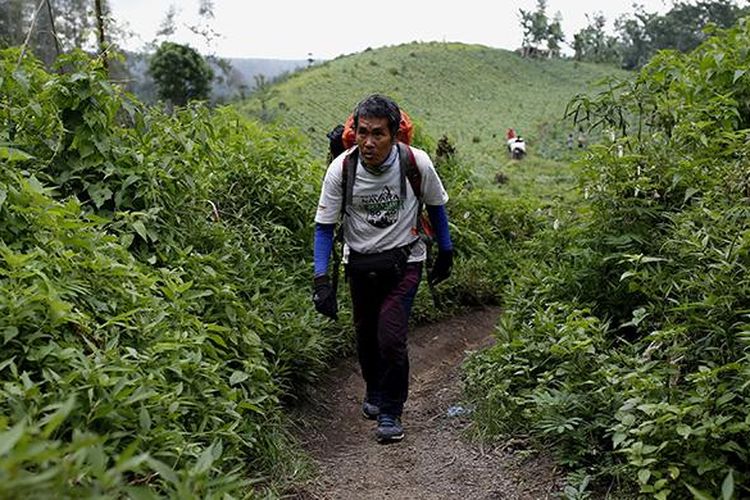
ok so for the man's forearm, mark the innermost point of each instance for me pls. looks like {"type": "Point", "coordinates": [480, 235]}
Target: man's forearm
{"type": "Point", "coordinates": [322, 246]}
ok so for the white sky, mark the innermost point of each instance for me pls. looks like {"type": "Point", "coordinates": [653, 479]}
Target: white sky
{"type": "Point", "coordinates": [290, 29]}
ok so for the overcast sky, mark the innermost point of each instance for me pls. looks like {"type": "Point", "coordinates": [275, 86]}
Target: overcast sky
{"type": "Point", "coordinates": [288, 29]}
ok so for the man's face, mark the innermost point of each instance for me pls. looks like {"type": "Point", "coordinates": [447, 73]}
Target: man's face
{"type": "Point", "coordinates": [374, 140]}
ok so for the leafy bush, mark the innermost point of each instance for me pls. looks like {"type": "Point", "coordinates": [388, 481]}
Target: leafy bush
{"type": "Point", "coordinates": [626, 337]}
{"type": "Point", "coordinates": [154, 302]}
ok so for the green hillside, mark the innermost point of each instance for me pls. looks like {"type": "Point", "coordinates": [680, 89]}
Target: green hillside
{"type": "Point", "coordinates": [471, 93]}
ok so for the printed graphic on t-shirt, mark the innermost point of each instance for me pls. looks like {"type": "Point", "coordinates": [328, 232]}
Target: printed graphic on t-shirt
{"type": "Point", "coordinates": [381, 210]}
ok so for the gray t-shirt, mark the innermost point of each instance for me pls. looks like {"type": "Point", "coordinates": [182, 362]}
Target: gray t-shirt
{"type": "Point", "coordinates": [380, 220]}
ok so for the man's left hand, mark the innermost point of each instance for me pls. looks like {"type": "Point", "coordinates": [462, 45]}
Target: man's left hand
{"type": "Point", "coordinates": [441, 270]}
{"type": "Point", "coordinates": [324, 297]}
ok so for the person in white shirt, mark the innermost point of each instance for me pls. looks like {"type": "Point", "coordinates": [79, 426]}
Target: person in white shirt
{"type": "Point", "coordinates": [366, 187]}
{"type": "Point", "coordinates": [516, 145]}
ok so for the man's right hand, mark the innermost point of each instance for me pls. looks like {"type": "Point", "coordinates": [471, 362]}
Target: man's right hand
{"type": "Point", "coordinates": [324, 297]}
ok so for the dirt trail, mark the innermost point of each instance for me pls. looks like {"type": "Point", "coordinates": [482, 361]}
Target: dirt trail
{"type": "Point", "coordinates": [434, 461]}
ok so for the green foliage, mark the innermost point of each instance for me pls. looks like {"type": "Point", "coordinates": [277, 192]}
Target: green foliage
{"type": "Point", "coordinates": [154, 271]}
{"type": "Point", "coordinates": [154, 292]}
{"type": "Point", "coordinates": [593, 44]}
{"type": "Point", "coordinates": [625, 341]}
{"type": "Point", "coordinates": [642, 34]}
{"type": "Point", "coordinates": [180, 73]}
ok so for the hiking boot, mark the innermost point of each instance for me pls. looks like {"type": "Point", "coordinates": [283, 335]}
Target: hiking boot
{"type": "Point", "coordinates": [389, 429]}
{"type": "Point", "coordinates": [369, 410]}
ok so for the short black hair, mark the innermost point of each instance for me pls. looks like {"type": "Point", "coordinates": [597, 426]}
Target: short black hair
{"type": "Point", "coordinates": [379, 106]}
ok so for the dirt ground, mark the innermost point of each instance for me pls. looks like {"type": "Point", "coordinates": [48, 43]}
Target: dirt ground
{"type": "Point", "coordinates": [435, 460]}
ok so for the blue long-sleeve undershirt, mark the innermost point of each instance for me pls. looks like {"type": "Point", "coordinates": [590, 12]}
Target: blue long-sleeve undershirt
{"type": "Point", "coordinates": [439, 220]}
{"type": "Point", "coordinates": [322, 246]}
{"type": "Point", "coordinates": [323, 240]}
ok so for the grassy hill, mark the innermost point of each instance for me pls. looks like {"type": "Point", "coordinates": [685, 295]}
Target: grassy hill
{"type": "Point", "coordinates": [471, 93]}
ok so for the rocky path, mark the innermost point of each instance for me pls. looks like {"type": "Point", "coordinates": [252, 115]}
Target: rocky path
{"type": "Point", "coordinates": [435, 460]}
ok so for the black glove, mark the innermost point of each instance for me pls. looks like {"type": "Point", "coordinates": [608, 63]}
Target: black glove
{"type": "Point", "coordinates": [442, 267]}
{"type": "Point", "coordinates": [324, 297]}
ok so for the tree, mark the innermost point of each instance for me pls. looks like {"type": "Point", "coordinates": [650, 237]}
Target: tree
{"type": "Point", "coordinates": [168, 25]}
{"type": "Point", "coordinates": [180, 73]}
{"type": "Point", "coordinates": [682, 27]}
{"type": "Point", "coordinates": [60, 26]}
{"type": "Point", "coordinates": [642, 34]}
{"type": "Point", "coordinates": [101, 33]}
{"type": "Point", "coordinates": [534, 25]}
{"type": "Point", "coordinates": [226, 80]}
{"type": "Point", "coordinates": [593, 44]}
{"type": "Point", "coordinates": [14, 20]}
{"type": "Point", "coordinates": [635, 38]}
{"type": "Point", "coordinates": [538, 30]}
{"type": "Point", "coordinates": [265, 93]}
{"type": "Point", "coordinates": [555, 35]}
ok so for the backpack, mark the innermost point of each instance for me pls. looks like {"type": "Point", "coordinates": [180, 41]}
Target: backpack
{"type": "Point", "coordinates": [342, 136]}
{"type": "Point", "coordinates": [405, 131]}
{"type": "Point", "coordinates": [336, 142]}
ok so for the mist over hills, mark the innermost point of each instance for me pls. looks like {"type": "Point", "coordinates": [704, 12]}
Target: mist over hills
{"type": "Point", "coordinates": [271, 68]}
{"type": "Point", "coordinates": [237, 83]}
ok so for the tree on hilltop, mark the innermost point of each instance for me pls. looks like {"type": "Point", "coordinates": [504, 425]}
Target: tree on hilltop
{"type": "Point", "coordinates": [539, 31]}
{"type": "Point", "coordinates": [555, 35]}
{"type": "Point", "coordinates": [593, 44]}
{"type": "Point", "coordinates": [534, 24]}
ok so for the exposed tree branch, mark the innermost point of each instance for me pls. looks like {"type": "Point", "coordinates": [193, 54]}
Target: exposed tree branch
{"type": "Point", "coordinates": [100, 29]}
{"type": "Point", "coordinates": [31, 30]}
{"type": "Point", "coordinates": [52, 26]}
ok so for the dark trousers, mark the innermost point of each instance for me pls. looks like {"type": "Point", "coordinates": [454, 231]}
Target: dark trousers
{"type": "Point", "coordinates": [381, 310]}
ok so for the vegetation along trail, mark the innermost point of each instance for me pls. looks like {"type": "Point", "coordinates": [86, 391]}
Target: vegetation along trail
{"type": "Point", "coordinates": [436, 459]}
{"type": "Point", "coordinates": [156, 323]}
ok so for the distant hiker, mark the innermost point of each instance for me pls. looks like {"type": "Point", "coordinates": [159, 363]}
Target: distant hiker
{"type": "Point", "coordinates": [510, 136]}
{"type": "Point", "coordinates": [581, 138]}
{"type": "Point", "coordinates": [516, 144]}
{"type": "Point", "coordinates": [378, 189]}
{"type": "Point", "coordinates": [518, 149]}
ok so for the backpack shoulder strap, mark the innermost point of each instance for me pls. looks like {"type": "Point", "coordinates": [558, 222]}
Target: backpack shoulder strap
{"type": "Point", "coordinates": [407, 165]}
{"type": "Point", "coordinates": [348, 174]}
{"type": "Point", "coordinates": [409, 169]}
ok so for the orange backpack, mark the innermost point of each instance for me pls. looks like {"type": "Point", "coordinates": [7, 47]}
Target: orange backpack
{"type": "Point", "coordinates": [405, 131]}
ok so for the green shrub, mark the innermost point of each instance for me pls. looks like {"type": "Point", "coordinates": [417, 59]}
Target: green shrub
{"type": "Point", "coordinates": [625, 340]}
{"type": "Point", "coordinates": [155, 298]}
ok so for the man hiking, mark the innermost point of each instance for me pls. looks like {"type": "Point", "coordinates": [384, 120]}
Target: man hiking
{"type": "Point", "coordinates": [371, 187]}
